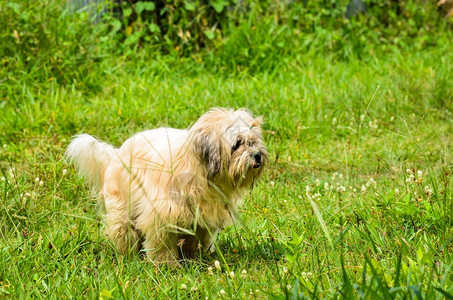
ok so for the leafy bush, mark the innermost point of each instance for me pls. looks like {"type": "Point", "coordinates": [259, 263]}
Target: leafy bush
{"type": "Point", "coordinates": [176, 26]}
{"type": "Point", "coordinates": [186, 26]}
{"type": "Point", "coordinates": [227, 35]}
{"type": "Point", "coordinates": [45, 38]}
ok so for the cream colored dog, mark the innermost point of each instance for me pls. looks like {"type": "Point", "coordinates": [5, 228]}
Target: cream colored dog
{"type": "Point", "coordinates": [170, 191]}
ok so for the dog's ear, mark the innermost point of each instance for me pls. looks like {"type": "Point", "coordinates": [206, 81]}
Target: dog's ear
{"type": "Point", "coordinates": [208, 147]}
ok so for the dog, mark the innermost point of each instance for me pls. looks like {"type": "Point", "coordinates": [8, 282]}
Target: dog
{"type": "Point", "coordinates": [169, 191]}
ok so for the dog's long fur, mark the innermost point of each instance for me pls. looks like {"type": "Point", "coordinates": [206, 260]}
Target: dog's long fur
{"type": "Point", "coordinates": [168, 190]}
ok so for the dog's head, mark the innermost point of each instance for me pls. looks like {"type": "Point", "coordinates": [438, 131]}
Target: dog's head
{"type": "Point", "coordinates": [230, 146]}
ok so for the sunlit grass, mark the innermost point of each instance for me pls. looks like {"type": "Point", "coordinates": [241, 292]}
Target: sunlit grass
{"type": "Point", "coordinates": [356, 200]}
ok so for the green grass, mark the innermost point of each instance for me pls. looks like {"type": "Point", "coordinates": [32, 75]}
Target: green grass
{"type": "Point", "coordinates": [346, 131]}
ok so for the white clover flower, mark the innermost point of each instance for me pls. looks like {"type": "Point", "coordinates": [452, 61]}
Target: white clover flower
{"type": "Point", "coordinates": [326, 185]}
{"type": "Point", "coordinates": [289, 286]}
{"type": "Point", "coordinates": [64, 172]}
{"type": "Point", "coordinates": [354, 191]}
{"type": "Point", "coordinates": [363, 189]}
{"type": "Point", "coordinates": [419, 174]}
{"type": "Point", "coordinates": [309, 275]}
{"type": "Point", "coordinates": [243, 273]}
{"type": "Point", "coordinates": [410, 179]}
{"type": "Point", "coordinates": [37, 179]}
{"type": "Point", "coordinates": [409, 171]}
{"type": "Point", "coordinates": [27, 194]}
{"type": "Point", "coordinates": [3, 178]}
{"type": "Point", "coordinates": [272, 183]}
{"type": "Point", "coordinates": [373, 124]}
{"type": "Point", "coordinates": [210, 271]}
{"type": "Point", "coordinates": [340, 176]}
{"type": "Point", "coordinates": [334, 175]}
{"type": "Point", "coordinates": [232, 274]}
{"type": "Point", "coordinates": [193, 289]}
{"type": "Point", "coordinates": [362, 117]}
{"type": "Point", "coordinates": [397, 191]}
{"type": "Point", "coordinates": [285, 270]}
{"type": "Point", "coordinates": [392, 118]}
{"type": "Point", "coordinates": [4, 146]}
{"type": "Point", "coordinates": [183, 286]}
{"type": "Point", "coordinates": [428, 190]}
{"type": "Point", "coordinates": [307, 189]}
{"type": "Point", "coordinates": [318, 182]}
{"type": "Point", "coordinates": [41, 183]}
{"type": "Point", "coordinates": [371, 181]}
{"type": "Point", "coordinates": [217, 265]}
{"type": "Point", "coordinates": [342, 189]}
{"type": "Point", "coordinates": [222, 291]}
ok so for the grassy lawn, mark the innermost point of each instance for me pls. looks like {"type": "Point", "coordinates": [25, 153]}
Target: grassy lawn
{"type": "Point", "coordinates": [356, 201]}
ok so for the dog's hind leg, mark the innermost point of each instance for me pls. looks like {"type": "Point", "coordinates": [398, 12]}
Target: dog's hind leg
{"type": "Point", "coordinates": [120, 230]}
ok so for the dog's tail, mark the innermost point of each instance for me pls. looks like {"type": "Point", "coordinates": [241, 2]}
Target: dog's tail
{"type": "Point", "coordinates": [91, 157]}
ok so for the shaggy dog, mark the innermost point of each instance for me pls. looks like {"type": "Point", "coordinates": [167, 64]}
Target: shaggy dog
{"type": "Point", "coordinates": [170, 191]}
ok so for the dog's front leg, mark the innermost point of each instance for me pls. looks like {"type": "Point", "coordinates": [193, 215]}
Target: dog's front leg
{"type": "Point", "coordinates": [162, 247]}
{"type": "Point", "coordinates": [207, 238]}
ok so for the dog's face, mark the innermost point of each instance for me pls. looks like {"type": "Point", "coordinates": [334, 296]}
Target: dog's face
{"type": "Point", "coordinates": [230, 145]}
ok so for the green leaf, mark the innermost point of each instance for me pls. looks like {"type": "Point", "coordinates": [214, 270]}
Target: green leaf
{"type": "Point", "coordinates": [133, 38]}
{"type": "Point", "coordinates": [141, 6]}
{"type": "Point", "coordinates": [14, 6]}
{"type": "Point", "coordinates": [127, 12]}
{"type": "Point", "coordinates": [189, 5]}
{"type": "Point", "coordinates": [116, 24]}
{"type": "Point", "coordinates": [209, 34]}
{"type": "Point", "coordinates": [419, 255]}
{"type": "Point", "coordinates": [105, 294]}
{"type": "Point", "coordinates": [219, 5]}
{"type": "Point", "coordinates": [153, 28]}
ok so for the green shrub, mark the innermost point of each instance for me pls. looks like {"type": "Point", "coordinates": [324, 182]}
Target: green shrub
{"type": "Point", "coordinates": [45, 41]}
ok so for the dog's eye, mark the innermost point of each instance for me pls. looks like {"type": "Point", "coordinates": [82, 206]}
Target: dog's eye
{"type": "Point", "coordinates": [236, 145]}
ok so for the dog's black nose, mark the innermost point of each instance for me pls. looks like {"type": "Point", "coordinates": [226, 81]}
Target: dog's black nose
{"type": "Point", "coordinates": [257, 159]}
